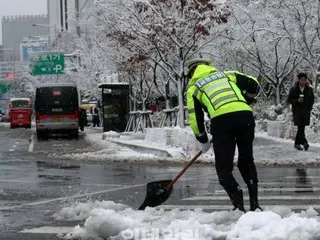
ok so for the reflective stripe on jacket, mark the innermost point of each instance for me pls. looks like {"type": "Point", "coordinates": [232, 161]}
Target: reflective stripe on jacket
{"type": "Point", "coordinates": [215, 92]}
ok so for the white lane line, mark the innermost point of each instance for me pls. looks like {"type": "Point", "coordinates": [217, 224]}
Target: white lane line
{"type": "Point", "coordinates": [31, 143]}
{"type": "Point", "coordinates": [306, 177]}
{"type": "Point", "coordinates": [100, 184]}
{"type": "Point", "coordinates": [313, 182]}
{"type": "Point", "coordinates": [70, 197]}
{"type": "Point", "coordinates": [81, 184]}
{"type": "Point", "coordinates": [14, 146]}
{"type": "Point", "coordinates": [49, 230]}
{"type": "Point", "coordinates": [11, 150]}
{"type": "Point", "coordinates": [279, 189]}
{"type": "Point", "coordinates": [226, 198]}
{"type": "Point", "coordinates": [229, 207]}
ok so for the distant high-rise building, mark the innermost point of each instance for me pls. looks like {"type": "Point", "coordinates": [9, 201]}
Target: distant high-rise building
{"type": "Point", "coordinates": [6, 54]}
{"type": "Point", "coordinates": [16, 28]}
{"type": "Point", "coordinates": [63, 15]}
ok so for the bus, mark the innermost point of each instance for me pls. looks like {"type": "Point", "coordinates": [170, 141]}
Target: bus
{"type": "Point", "coordinates": [57, 109]}
{"type": "Point", "coordinates": [20, 112]}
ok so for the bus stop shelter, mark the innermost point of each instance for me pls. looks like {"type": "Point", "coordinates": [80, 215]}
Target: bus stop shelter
{"type": "Point", "coordinates": [115, 106]}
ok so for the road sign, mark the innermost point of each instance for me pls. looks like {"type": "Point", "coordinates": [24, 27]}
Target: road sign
{"type": "Point", "coordinates": [3, 88]}
{"type": "Point", "coordinates": [47, 63]}
{"type": "Point", "coordinates": [3, 98]}
{"type": "Point", "coordinates": [26, 49]}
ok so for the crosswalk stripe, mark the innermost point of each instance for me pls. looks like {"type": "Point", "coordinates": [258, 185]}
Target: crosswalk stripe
{"type": "Point", "coordinates": [277, 189]}
{"type": "Point", "coordinates": [229, 207]}
{"type": "Point", "coordinates": [49, 230]}
{"type": "Point", "coordinates": [297, 177]}
{"type": "Point", "coordinates": [282, 197]}
{"type": "Point", "coordinates": [295, 184]}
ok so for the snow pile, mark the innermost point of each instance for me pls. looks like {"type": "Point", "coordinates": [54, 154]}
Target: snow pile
{"type": "Point", "coordinates": [80, 211]}
{"type": "Point", "coordinates": [110, 134]}
{"type": "Point", "coordinates": [182, 145]}
{"type": "Point", "coordinates": [4, 124]}
{"type": "Point", "coordinates": [107, 220]}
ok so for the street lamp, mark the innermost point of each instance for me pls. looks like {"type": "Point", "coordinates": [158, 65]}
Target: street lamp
{"type": "Point", "coordinates": [47, 26]}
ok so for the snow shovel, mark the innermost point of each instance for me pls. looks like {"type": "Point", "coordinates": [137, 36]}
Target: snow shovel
{"type": "Point", "coordinates": [158, 192]}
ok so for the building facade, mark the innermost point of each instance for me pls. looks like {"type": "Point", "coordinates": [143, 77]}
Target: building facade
{"type": "Point", "coordinates": [63, 15]}
{"type": "Point", "coordinates": [6, 54]}
{"type": "Point", "coordinates": [16, 28]}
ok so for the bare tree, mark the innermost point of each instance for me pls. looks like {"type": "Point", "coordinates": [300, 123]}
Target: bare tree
{"type": "Point", "coordinates": [167, 32]}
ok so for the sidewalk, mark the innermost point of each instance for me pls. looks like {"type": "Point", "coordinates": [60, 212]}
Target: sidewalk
{"type": "Point", "coordinates": [176, 143]}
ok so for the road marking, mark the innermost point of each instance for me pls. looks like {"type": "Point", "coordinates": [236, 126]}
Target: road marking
{"type": "Point", "coordinates": [49, 230]}
{"type": "Point", "coordinates": [82, 184]}
{"type": "Point", "coordinates": [297, 177]}
{"type": "Point", "coordinates": [14, 146]}
{"type": "Point", "coordinates": [308, 188]}
{"type": "Point", "coordinates": [11, 150]}
{"type": "Point", "coordinates": [70, 197]}
{"type": "Point", "coordinates": [31, 140]}
{"type": "Point", "coordinates": [17, 142]}
{"type": "Point", "coordinates": [225, 198]}
{"type": "Point", "coordinates": [230, 207]}
{"type": "Point", "coordinates": [296, 184]}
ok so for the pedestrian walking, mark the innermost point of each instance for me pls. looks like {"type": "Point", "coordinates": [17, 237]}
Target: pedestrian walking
{"type": "Point", "coordinates": [301, 98]}
{"type": "Point", "coordinates": [226, 97]}
{"type": "Point", "coordinates": [96, 118]}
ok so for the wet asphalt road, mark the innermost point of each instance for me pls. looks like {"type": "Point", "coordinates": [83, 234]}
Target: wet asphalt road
{"type": "Point", "coordinates": [33, 187]}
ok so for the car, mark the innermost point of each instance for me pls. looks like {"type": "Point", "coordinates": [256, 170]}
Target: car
{"type": "Point", "coordinates": [5, 117]}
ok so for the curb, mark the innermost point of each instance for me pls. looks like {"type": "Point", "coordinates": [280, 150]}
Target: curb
{"type": "Point", "coordinates": [142, 149]}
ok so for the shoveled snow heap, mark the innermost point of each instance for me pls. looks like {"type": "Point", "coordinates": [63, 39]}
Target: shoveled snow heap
{"type": "Point", "coordinates": [109, 220]}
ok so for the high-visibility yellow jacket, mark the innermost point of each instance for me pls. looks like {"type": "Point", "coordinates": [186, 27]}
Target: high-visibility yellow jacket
{"type": "Point", "coordinates": [217, 93]}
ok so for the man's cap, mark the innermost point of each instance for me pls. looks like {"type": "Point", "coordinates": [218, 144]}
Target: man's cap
{"type": "Point", "coordinates": [196, 61]}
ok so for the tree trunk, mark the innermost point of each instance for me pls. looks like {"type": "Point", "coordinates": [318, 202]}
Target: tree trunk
{"type": "Point", "coordinates": [181, 105]}
{"type": "Point", "coordinates": [278, 95]}
{"type": "Point", "coordinates": [144, 120]}
{"type": "Point", "coordinates": [167, 95]}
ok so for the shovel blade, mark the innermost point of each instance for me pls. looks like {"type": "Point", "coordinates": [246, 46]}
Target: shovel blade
{"type": "Point", "coordinates": [156, 194]}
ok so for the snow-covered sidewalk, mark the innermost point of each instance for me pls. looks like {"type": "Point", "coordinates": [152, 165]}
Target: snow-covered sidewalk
{"type": "Point", "coordinates": [179, 145]}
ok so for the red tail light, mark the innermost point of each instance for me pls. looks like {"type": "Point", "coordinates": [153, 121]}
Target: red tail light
{"type": "Point", "coordinates": [76, 115]}
{"type": "Point", "coordinates": [37, 117]}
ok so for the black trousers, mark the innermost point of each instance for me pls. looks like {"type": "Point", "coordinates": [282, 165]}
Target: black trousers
{"type": "Point", "coordinates": [301, 136]}
{"type": "Point", "coordinates": [228, 131]}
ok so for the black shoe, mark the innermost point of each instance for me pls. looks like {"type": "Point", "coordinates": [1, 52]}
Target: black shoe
{"type": "Point", "coordinates": [237, 200]}
{"type": "Point", "coordinates": [253, 195]}
{"type": "Point", "coordinates": [306, 146]}
{"type": "Point", "coordinates": [297, 146]}
{"type": "Point", "coordinates": [254, 206]}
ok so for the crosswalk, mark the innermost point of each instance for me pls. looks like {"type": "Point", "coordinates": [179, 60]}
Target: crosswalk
{"type": "Point", "coordinates": [298, 191]}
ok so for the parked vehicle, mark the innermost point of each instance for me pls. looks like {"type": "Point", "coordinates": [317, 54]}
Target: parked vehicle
{"type": "Point", "coordinates": [57, 109]}
{"type": "Point", "coordinates": [5, 118]}
{"type": "Point", "coordinates": [20, 112]}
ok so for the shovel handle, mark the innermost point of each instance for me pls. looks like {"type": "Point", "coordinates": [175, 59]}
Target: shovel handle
{"type": "Point", "coordinates": [183, 170]}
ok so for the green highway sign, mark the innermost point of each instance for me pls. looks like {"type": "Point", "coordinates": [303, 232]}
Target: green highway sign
{"type": "Point", "coordinates": [3, 88]}
{"type": "Point", "coordinates": [45, 63]}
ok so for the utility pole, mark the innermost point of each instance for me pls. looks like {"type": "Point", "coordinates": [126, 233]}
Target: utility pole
{"type": "Point", "coordinates": [77, 17]}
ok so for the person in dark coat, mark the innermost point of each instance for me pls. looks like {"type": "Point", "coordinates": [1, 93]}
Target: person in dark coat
{"type": "Point", "coordinates": [83, 121]}
{"type": "Point", "coordinates": [96, 118]}
{"type": "Point", "coordinates": [302, 98]}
